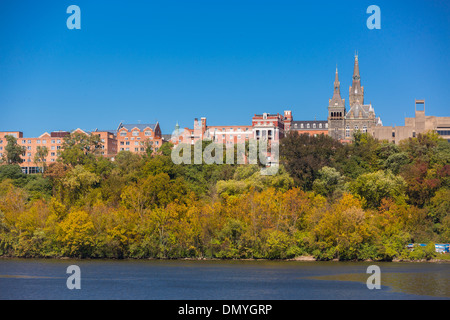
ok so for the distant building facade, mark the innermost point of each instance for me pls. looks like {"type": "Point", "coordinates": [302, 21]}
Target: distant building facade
{"type": "Point", "coordinates": [413, 126]}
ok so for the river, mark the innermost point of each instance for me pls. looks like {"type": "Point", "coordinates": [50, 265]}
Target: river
{"type": "Point", "coordinates": [41, 279]}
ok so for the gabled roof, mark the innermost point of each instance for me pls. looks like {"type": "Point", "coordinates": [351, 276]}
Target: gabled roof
{"type": "Point", "coordinates": [140, 126]}
{"type": "Point", "coordinates": [45, 134]}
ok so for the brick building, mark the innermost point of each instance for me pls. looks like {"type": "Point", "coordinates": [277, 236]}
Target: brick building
{"type": "Point", "coordinates": [137, 137]}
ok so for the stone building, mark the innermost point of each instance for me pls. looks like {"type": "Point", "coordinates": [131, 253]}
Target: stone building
{"type": "Point", "coordinates": [360, 117]}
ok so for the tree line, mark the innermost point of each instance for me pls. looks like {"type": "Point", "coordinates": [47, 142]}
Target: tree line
{"type": "Point", "coordinates": [365, 200]}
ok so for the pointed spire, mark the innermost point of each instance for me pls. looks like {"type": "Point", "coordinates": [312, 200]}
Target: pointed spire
{"type": "Point", "coordinates": [336, 100]}
{"type": "Point", "coordinates": [356, 90]}
{"type": "Point", "coordinates": [356, 68]}
{"type": "Point", "coordinates": [337, 84]}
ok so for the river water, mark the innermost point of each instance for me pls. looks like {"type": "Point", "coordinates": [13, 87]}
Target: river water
{"type": "Point", "coordinates": [220, 280]}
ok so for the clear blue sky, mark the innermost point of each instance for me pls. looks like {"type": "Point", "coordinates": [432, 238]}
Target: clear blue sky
{"type": "Point", "coordinates": [223, 59]}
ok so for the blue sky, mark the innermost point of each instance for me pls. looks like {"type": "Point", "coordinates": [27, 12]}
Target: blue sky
{"type": "Point", "coordinates": [172, 61]}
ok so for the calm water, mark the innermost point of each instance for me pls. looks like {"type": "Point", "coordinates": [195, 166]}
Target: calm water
{"type": "Point", "coordinates": [229, 280]}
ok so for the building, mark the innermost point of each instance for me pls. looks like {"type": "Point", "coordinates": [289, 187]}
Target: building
{"type": "Point", "coordinates": [108, 139]}
{"type": "Point", "coordinates": [311, 127]}
{"type": "Point", "coordinates": [342, 124]}
{"type": "Point", "coordinates": [268, 126]}
{"type": "Point", "coordinates": [137, 138]}
{"type": "Point", "coordinates": [227, 134]}
{"type": "Point", "coordinates": [413, 126]}
{"type": "Point", "coordinates": [52, 141]}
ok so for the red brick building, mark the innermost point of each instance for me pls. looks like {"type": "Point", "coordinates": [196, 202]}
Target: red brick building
{"type": "Point", "coordinates": [137, 137]}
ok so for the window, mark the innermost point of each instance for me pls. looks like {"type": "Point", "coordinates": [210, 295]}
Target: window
{"type": "Point", "coordinates": [58, 141]}
{"type": "Point", "coordinates": [135, 133]}
{"type": "Point", "coordinates": [314, 125]}
{"type": "Point", "coordinates": [356, 128]}
{"type": "Point", "coordinates": [52, 154]}
{"type": "Point", "coordinates": [53, 141]}
{"type": "Point", "coordinates": [148, 133]}
{"type": "Point", "coordinates": [44, 141]}
{"type": "Point", "coordinates": [347, 131]}
{"type": "Point", "coordinates": [136, 143]}
{"type": "Point", "coordinates": [127, 143]}
{"type": "Point", "coordinates": [38, 141]}
{"type": "Point", "coordinates": [301, 126]}
{"type": "Point", "coordinates": [122, 143]}
{"type": "Point", "coordinates": [308, 126]}
{"type": "Point", "coordinates": [52, 147]}
{"type": "Point", "coordinates": [320, 126]}
{"type": "Point", "coordinates": [136, 149]}
{"type": "Point", "coordinates": [28, 148]}
{"type": "Point", "coordinates": [364, 129]}
{"type": "Point", "coordinates": [29, 141]}
{"type": "Point", "coordinates": [123, 133]}
{"type": "Point", "coordinates": [24, 141]}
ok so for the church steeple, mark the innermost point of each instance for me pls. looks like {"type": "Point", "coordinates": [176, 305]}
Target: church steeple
{"type": "Point", "coordinates": [336, 100]}
{"type": "Point", "coordinates": [336, 110]}
{"type": "Point", "coordinates": [356, 93]}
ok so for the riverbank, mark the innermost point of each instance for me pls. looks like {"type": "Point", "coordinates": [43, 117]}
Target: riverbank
{"type": "Point", "coordinates": [442, 259]}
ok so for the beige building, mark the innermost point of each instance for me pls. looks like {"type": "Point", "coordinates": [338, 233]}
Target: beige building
{"type": "Point", "coordinates": [413, 126]}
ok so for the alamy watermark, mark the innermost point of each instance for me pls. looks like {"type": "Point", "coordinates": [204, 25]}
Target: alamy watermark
{"type": "Point", "coordinates": [374, 281]}
{"type": "Point", "coordinates": [74, 280]}
{"type": "Point", "coordinates": [249, 152]}
{"type": "Point", "coordinates": [374, 21]}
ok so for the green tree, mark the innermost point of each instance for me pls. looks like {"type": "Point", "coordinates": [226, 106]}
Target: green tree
{"type": "Point", "coordinates": [40, 157]}
{"type": "Point", "coordinates": [13, 151]}
{"type": "Point", "coordinates": [329, 180]}
{"type": "Point", "coordinates": [376, 186]}
{"type": "Point", "coordinates": [304, 155]}
{"type": "Point", "coordinates": [78, 181]}
{"type": "Point", "coordinates": [79, 148]}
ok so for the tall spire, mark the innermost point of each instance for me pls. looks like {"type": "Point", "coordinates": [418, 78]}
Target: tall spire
{"type": "Point", "coordinates": [356, 69]}
{"type": "Point", "coordinates": [356, 90]}
{"type": "Point", "coordinates": [337, 101]}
